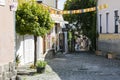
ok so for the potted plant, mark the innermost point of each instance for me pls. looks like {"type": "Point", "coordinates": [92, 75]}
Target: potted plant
{"type": "Point", "coordinates": [40, 65]}
{"type": "Point", "coordinates": [17, 59]}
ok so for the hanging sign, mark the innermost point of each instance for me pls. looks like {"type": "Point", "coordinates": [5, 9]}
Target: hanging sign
{"type": "Point", "coordinates": [13, 6]}
{"type": "Point", "coordinates": [2, 2]}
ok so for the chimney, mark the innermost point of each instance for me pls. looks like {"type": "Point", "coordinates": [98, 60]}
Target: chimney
{"type": "Point", "coordinates": [56, 4]}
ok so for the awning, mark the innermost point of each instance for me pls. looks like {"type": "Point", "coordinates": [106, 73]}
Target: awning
{"type": "Point", "coordinates": [58, 18]}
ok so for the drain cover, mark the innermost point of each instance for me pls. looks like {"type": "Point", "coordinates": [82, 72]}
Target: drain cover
{"type": "Point", "coordinates": [80, 69]}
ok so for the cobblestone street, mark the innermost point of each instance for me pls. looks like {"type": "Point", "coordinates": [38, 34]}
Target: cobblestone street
{"type": "Point", "coordinates": [79, 66]}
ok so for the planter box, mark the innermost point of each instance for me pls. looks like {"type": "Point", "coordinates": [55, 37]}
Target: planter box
{"type": "Point", "coordinates": [111, 55]}
{"type": "Point", "coordinates": [98, 53]}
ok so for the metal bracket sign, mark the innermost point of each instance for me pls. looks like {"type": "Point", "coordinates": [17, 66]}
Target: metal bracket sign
{"type": "Point", "coordinates": [13, 6]}
{"type": "Point", "coordinates": [2, 2]}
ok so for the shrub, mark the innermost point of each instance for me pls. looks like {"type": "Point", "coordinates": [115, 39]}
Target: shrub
{"type": "Point", "coordinates": [41, 63]}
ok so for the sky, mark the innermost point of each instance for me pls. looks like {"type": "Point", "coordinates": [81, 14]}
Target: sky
{"type": "Point", "coordinates": [61, 4]}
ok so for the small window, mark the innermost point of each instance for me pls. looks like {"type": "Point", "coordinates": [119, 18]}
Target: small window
{"type": "Point", "coordinates": [116, 20]}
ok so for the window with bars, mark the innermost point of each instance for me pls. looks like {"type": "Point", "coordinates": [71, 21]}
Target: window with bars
{"type": "Point", "coordinates": [116, 20]}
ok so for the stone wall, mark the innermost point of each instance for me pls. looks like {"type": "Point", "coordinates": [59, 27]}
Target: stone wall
{"type": "Point", "coordinates": [50, 54]}
{"type": "Point", "coordinates": [8, 72]}
{"type": "Point", "coordinates": [109, 43]}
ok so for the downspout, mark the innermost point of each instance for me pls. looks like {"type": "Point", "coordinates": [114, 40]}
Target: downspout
{"type": "Point", "coordinates": [15, 36]}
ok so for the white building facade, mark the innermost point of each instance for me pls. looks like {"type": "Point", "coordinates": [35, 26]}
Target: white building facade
{"type": "Point", "coordinates": [109, 26]}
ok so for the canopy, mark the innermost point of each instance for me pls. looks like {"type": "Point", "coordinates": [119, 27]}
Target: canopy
{"type": "Point", "coordinates": [58, 18]}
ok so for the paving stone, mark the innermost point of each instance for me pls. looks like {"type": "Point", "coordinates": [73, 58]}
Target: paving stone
{"type": "Point", "coordinates": [79, 66]}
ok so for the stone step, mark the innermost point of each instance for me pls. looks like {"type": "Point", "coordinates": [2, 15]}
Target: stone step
{"type": "Point", "coordinates": [26, 72]}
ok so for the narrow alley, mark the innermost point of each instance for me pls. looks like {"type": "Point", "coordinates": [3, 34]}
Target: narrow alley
{"type": "Point", "coordinates": [79, 66]}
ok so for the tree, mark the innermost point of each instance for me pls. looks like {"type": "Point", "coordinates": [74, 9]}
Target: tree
{"type": "Point", "coordinates": [85, 22]}
{"type": "Point", "coordinates": [33, 19]}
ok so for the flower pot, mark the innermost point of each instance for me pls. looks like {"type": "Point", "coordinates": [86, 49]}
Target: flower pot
{"type": "Point", "coordinates": [40, 69]}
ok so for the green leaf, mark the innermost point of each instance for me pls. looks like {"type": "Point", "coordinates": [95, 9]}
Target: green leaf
{"type": "Point", "coordinates": [33, 19]}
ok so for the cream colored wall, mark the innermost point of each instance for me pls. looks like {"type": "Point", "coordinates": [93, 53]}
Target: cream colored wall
{"type": "Point", "coordinates": [7, 42]}
{"type": "Point", "coordinates": [51, 3]}
{"type": "Point", "coordinates": [112, 6]}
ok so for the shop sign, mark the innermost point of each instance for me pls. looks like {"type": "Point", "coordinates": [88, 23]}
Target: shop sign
{"type": "Point", "coordinates": [2, 2]}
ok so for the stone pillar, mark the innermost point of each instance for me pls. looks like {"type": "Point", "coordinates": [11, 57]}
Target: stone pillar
{"type": "Point", "coordinates": [8, 72]}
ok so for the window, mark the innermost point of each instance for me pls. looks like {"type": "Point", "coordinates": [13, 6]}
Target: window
{"type": "Point", "coordinates": [107, 14]}
{"type": "Point", "coordinates": [100, 23]}
{"type": "Point", "coordinates": [116, 20]}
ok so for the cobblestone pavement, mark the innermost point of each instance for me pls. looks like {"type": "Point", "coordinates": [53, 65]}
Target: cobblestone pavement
{"type": "Point", "coordinates": [80, 66]}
